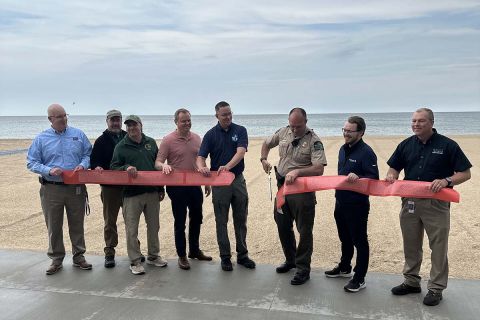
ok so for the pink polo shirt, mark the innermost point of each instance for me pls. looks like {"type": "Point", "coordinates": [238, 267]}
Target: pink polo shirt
{"type": "Point", "coordinates": [180, 152]}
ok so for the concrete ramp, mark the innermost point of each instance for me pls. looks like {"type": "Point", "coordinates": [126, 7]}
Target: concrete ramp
{"type": "Point", "coordinates": [207, 292]}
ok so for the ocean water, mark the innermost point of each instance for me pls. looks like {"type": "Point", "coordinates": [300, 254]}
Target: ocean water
{"type": "Point", "coordinates": [325, 125]}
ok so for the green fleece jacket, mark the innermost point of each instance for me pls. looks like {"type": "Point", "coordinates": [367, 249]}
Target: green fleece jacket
{"type": "Point", "coordinates": [139, 155]}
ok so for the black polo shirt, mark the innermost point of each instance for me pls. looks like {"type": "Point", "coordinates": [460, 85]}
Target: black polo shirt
{"type": "Point", "coordinates": [361, 160]}
{"type": "Point", "coordinates": [222, 146]}
{"type": "Point", "coordinates": [438, 158]}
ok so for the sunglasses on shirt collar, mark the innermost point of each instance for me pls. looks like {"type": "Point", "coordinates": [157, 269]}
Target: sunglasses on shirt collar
{"type": "Point", "coordinates": [296, 141]}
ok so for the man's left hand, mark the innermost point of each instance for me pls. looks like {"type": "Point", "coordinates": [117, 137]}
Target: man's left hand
{"type": "Point", "coordinates": [78, 168]}
{"type": "Point", "coordinates": [438, 184]}
{"type": "Point", "coordinates": [352, 177]}
{"type": "Point", "coordinates": [223, 168]}
{"type": "Point", "coordinates": [291, 176]}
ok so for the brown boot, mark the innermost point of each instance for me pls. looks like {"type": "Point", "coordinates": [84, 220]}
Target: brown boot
{"type": "Point", "coordinates": [183, 263]}
{"type": "Point", "coordinates": [54, 268]}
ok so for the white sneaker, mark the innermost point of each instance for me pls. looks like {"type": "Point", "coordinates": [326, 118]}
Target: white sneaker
{"type": "Point", "coordinates": [137, 268]}
{"type": "Point", "coordinates": [157, 262]}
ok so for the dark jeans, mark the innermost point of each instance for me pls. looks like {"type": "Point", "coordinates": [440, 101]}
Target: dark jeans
{"type": "Point", "coordinates": [183, 198]}
{"type": "Point", "coordinates": [352, 219]}
{"type": "Point", "coordinates": [301, 209]}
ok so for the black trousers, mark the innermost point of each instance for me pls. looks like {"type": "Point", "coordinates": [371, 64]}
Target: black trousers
{"type": "Point", "coordinates": [352, 220]}
{"type": "Point", "coordinates": [184, 198]}
{"type": "Point", "coordinates": [301, 209]}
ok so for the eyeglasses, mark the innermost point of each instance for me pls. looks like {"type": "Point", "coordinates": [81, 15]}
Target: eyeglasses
{"type": "Point", "coordinates": [295, 142]}
{"type": "Point", "coordinates": [349, 131]}
{"type": "Point", "coordinates": [59, 117]}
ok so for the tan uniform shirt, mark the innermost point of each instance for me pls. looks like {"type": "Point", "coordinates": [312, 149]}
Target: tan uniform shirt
{"type": "Point", "coordinates": [309, 150]}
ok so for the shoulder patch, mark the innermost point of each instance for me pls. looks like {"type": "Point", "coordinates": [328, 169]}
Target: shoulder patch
{"type": "Point", "coordinates": [318, 145]}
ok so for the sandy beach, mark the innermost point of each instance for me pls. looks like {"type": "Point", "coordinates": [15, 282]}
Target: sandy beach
{"type": "Point", "coordinates": [22, 224]}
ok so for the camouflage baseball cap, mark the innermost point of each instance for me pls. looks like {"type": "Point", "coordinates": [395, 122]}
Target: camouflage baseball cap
{"type": "Point", "coordinates": [113, 113]}
{"type": "Point", "coordinates": [134, 118]}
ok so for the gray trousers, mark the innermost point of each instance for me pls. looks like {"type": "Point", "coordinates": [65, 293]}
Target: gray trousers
{"type": "Point", "coordinates": [235, 195]}
{"type": "Point", "coordinates": [301, 209]}
{"type": "Point", "coordinates": [433, 216]}
{"type": "Point", "coordinates": [112, 202]}
{"type": "Point", "coordinates": [55, 200]}
{"type": "Point", "coordinates": [149, 204]}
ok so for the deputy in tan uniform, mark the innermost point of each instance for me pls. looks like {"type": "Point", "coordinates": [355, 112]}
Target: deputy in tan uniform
{"type": "Point", "coordinates": [301, 154]}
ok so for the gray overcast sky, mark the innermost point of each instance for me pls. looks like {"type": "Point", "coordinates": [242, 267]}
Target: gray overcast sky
{"type": "Point", "coordinates": [152, 57]}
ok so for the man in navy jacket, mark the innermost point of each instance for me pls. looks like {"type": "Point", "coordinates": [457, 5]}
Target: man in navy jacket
{"type": "Point", "coordinates": [355, 160]}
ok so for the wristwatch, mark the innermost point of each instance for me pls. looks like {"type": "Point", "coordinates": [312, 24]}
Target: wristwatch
{"type": "Point", "coordinates": [449, 181]}
{"type": "Point", "coordinates": [263, 158]}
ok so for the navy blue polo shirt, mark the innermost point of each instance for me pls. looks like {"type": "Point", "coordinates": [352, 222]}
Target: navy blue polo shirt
{"type": "Point", "coordinates": [222, 146]}
{"type": "Point", "coordinates": [361, 160]}
{"type": "Point", "coordinates": [438, 158]}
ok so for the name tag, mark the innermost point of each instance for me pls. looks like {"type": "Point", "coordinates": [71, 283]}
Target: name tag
{"type": "Point", "coordinates": [75, 138]}
{"type": "Point", "coordinates": [437, 151]}
{"type": "Point", "coordinates": [352, 160]}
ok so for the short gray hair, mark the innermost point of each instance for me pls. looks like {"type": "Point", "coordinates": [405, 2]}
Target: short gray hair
{"type": "Point", "coordinates": [429, 113]}
{"type": "Point", "coordinates": [177, 113]}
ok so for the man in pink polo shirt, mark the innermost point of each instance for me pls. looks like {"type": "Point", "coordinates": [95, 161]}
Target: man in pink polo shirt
{"type": "Point", "coordinates": [179, 150]}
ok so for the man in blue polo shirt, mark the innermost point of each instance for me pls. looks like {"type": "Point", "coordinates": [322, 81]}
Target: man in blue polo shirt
{"type": "Point", "coordinates": [226, 143]}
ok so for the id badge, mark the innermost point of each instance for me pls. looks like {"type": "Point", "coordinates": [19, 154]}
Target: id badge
{"type": "Point", "coordinates": [411, 206]}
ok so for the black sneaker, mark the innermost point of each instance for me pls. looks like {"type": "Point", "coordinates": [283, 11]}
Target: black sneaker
{"type": "Point", "coordinates": [247, 263]}
{"type": "Point", "coordinates": [226, 264]}
{"type": "Point", "coordinates": [354, 286]}
{"type": "Point", "coordinates": [109, 261]}
{"type": "Point", "coordinates": [404, 289]}
{"type": "Point", "coordinates": [432, 298]}
{"type": "Point", "coordinates": [337, 273]}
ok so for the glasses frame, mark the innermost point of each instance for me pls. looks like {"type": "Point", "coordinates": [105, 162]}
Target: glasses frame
{"type": "Point", "coordinates": [349, 131]}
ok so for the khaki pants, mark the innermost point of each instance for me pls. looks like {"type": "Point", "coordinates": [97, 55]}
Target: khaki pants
{"type": "Point", "coordinates": [149, 204]}
{"type": "Point", "coordinates": [433, 216]}
{"type": "Point", "coordinates": [112, 202]}
{"type": "Point", "coordinates": [55, 200]}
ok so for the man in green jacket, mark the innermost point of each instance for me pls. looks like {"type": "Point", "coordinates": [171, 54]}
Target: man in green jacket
{"type": "Point", "coordinates": [137, 152]}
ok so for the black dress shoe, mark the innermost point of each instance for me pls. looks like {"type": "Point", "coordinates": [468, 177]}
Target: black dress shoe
{"type": "Point", "coordinates": [227, 265]}
{"type": "Point", "coordinates": [300, 278]}
{"type": "Point", "coordinates": [285, 267]}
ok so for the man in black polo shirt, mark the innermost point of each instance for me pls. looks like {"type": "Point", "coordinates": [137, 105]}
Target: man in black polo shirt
{"type": "Point", "coordinates": [427, 156]}
{"type": "Point", "coordinates": [355, 160]}
{"type": "Point", "coordinates": [226, 143]}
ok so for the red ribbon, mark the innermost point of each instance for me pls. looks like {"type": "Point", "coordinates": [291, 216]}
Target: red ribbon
{"type": "Point", "coordinates": [371, 187]}
{"type": "Point", "coordinates": [148, 178]}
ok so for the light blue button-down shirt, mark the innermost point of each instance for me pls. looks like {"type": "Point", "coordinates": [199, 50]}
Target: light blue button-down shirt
{"type": "Point", "coordinates": [65, 150]}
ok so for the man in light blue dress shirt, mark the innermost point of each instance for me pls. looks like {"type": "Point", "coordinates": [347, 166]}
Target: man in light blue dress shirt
{"type": "Point", "coordinates": [56, 149]}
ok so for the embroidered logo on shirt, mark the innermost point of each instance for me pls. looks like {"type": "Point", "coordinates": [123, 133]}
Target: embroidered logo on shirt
{"type": "Point", "coordinates": [235, 138]}
{"type": "Point", "coordinates": [437, 151]}
{"type": "Point", "coordinates": [352, 160]}
{"type": "Point", "coordinates": [317, 146]}
{"type": "Point", "coordinates": [148, 146]}
{"type": "Point", "coordinates": [75, 138]}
